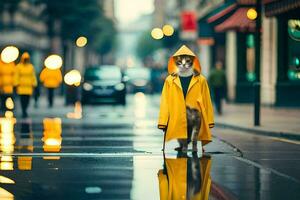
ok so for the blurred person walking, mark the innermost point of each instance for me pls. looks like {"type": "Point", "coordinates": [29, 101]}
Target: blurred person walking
{"type": "Point", "coordinates": [218, 83]}
{"type": "Point", "coordinates": [51, 79]}
{"type": "Point", "coordinates": [25, 81]}
{"type": "Point", "coordinates": [7, 72]}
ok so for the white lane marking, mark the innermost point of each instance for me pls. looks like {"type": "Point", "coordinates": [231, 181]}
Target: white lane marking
{"type": "Point", "coordinates": [267, 169]}
{"type": "Point", "coordinates": [286, 140]}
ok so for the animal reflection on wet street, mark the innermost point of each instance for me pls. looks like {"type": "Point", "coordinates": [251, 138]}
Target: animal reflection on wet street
{"type": "Point", "coordinates": [114, 152]}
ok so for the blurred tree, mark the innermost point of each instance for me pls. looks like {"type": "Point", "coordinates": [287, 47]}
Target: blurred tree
{"type": "Point", "coordinates": [76, 18]}
{"type": "Point", "coordinates": [146, 45]}
{"type": "Point", "coordinates": [11, 6]}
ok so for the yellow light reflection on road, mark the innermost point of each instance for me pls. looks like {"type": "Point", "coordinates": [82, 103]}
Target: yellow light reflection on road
{"type": "Point", "coordinates": [77, 114]}
{"type": "Point", "coordinates": [9, 103]}
{"type": "Point", "coordinates": [24, 162]}
{"type": "Point", "coordinates": [6, 165]}
{"type": "Point", "coordinates": [9, 54]}
{"type": "Point", "coordinates": [53, 62]}
{"type": "Point", "coordinates": [6, 180]}
{"type": "Point", "coordinates": [7, 141]}
{"type": "Point", "coordinates": [73, 77]}
{"type": "Point", "coordinates": [52, 134]}
{"type": "Point", "coordinates": [140, 105]}
{"type": "Point", "coordinates": [6, 195]}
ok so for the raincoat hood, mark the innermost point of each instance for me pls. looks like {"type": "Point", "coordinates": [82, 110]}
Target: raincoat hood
{"type": "Point", "coordinates": [24, 56]}
{"type": "Point", "coordinates": [183, 50]}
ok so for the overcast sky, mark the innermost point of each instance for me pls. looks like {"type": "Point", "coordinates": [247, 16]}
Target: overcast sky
{"type": "Point", "coordinates": [130, 10]}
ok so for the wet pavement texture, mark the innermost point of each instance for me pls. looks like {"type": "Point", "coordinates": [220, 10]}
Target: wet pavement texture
{"type": "Point", "coordinates": [114, 152]}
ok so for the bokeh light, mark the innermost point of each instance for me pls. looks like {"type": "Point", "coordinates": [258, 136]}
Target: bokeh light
{"type": "Point", "coordinates": [168, 30]}
{"type": "Point", "coordinates": [157, 33]}
{"type": "Point", "coordinates": [73, 77]}
{"type": "Point", "coordinates": [53, 62]}
{"type": "Point", "coordinates": [81, 41]}
{"type": "Point", "coordinates": [9, 103]}
{"type": "Point", "coordinates": [9, 54]}
{"type": "Point", "coordinates": [251, 14]}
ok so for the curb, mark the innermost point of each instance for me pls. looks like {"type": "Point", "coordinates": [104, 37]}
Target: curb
{"type": "Point", "coordinates": [279, 134]}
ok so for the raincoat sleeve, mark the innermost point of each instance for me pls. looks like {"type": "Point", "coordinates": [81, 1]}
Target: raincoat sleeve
{"type": "Point", "coordinates": [16, 76]}
{"type": "Point", "coordinates": [33, 77]}
{"type": "Point", "coordinates": [164, 110]}
{"type": "Point", "coordinates": [59, 76]}
{"type": "Point", "coordinates": [43, 75]}
{"type": "Point", "coordinates": [208, 105]}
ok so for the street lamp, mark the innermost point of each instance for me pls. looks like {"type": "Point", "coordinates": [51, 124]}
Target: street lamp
{"type": "Point", "coordinates": [168, 30]}
{"type": "Point", "coordinates": [251, 14]}
{"type": "Point", "coordinates": [9, 54]}
{"type": "Point", "coordinates": [53, 62]}
{"type": "Point", "coordinates": [157, 33]}
{"type": "Point", "coordinates": [81, 41]}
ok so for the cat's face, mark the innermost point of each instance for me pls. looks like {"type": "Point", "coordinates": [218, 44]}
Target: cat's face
{"type": "Point", "coordinates": [184, 64]}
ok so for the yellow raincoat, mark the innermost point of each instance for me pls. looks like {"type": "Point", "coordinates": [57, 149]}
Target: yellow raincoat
{"type": "Point", "coordinates": [172, 114]}
{"type": "Point", "coordinates": [173, 185]}
{"type": "Point", "coordinates": [51, 78]}
{"type": "Point", "coordinates": [7, 71]}
{"type": "Point", "coordinates": [25, 79]}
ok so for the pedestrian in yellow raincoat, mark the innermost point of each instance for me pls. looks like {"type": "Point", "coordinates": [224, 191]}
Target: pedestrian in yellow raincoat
{"type": "Point", "coordinates": [25, 81]}
{"type": "Point", "coordinates": [7, 71]}
{"type": "Point", "coordinates": [172, 116]}
{"type": "Point", "coordinates": [51, 79]}
{"type": "Point", "coordinates": [185, 178]}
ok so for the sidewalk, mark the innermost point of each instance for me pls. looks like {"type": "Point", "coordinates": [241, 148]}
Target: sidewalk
{"type": "Point", "coordinates": [279, 122]}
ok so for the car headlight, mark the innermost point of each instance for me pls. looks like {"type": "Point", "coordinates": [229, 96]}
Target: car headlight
{"type": "Point", "coordinates": [119, 86]}
{"type": "Point", "coordinates": [139, 83]}
{"type": "Point", "coordinates": [87, 86]}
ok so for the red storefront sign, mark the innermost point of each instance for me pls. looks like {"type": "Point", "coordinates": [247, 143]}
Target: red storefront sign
{"type": "Point", "coordinates": [189, 25]}
{"type": "Point", "coordinates": [188, 21]}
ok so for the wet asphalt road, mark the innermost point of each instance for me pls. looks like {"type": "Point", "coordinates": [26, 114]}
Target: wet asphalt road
{"type": "Point", "coordinates": [114, 152]}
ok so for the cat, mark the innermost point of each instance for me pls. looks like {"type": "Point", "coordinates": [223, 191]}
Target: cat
{"type": "Point", "coordinates": [184, 64]}
{"type": "Point", "coordinates": [193, 117]}
{"type": "Point", "coordinates": [193, 126]}
{"type": "Point", "coordinates": [185, 69]}
{"type": "Point", "coordinates": [194, 178]}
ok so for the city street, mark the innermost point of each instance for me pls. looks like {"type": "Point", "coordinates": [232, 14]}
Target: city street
{"type": "Point", "coordinates": [114, 152]}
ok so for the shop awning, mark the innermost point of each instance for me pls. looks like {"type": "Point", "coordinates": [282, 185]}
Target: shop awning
{"type": "Point", "coordinates": [221, 12]}
{"type": "Point", "coordinates": [237, 21]}
{"type": "Point", "coordinates": [205, 30]}
{"type": "Point", "coordinates": [277, 7]}
{"type": "Point", "coordinates": [246, 2]}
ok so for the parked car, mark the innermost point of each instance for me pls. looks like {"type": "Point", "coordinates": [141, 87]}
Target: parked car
{"type": "Point", "coordinates": [139, 80]}
{"type": "Point", "coordinates": [104, 84]}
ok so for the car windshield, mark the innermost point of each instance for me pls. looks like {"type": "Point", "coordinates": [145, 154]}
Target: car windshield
{"type": "Point", "coordinates": [103, 73]}
{"type": "Point", "coordinates": [138, 73]}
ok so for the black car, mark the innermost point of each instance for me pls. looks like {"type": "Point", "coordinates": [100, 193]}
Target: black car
{"type": "Point", "coordinates": [103, 84]}
{"type": "Point", "coordinates": [138, 80]}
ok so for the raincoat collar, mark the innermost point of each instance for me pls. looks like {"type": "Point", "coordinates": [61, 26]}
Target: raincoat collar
{"type": "Point", "coordinates": [194, 80]}
{"type": "Point", "coordinates": [183, 50]}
